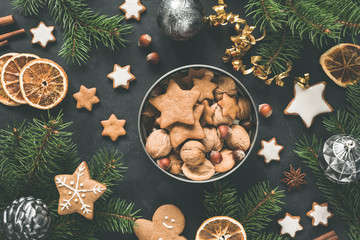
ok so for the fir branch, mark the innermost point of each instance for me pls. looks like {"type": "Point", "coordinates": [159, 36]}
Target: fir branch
{"type": "Point", "coordinates": [29, 7]}
{"type": "Point", "coordinates": [115, 215]}
{"type": "Point", "coordinates": [269, 236]}
{"type": "Point", "coordinates": [221, 199]}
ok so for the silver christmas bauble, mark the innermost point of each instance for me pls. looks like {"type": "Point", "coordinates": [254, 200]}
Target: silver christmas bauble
{"type": "Point", "coordinates": [340, 159]}
{"type": "Point", "coordinates": [180, 19]}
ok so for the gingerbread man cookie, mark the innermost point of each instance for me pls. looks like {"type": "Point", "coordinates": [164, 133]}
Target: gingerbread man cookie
{"type": "Point", "coordinates": [167, 223]}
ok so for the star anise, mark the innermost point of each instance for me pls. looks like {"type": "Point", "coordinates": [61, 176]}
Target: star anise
{"type": "Point", "coordinates": [294, 178]}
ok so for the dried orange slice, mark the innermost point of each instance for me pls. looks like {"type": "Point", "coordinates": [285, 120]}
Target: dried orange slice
{"type": "Point", "coordinates": [4, 98]}
{"type": "Point", "coordinates": [10, 76]}
{"type": "Point", "coordinates": [221, 228]}
{"type": "Point", "coordinates": [43, 83]}
{"type": "Point", "coordinates": [342, 63]}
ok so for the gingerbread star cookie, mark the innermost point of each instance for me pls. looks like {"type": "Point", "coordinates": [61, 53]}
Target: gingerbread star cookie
{"type": "Point", "coordinates": [132, 9]}
{"type": "Point", "coordinates": [207, 116]}
{"type": "Point", "coordinates": [86, 98]}
{"type": "Point", "coordinates": [180, 132]}
{"type": "Point", "coordinates": [113, 127]}
{"type": "Point", "coordinates": [270, 150]}
{"type": "Point", "coordinates": [167, 223]}
{"type": "Point", "coordinates": [188, 80]}
{"type": "Point", "coordinates": [121, 76]}
{"type": "Point", "coordinates": [229, 106]}
{"type": "Point", "coordinates": [78, 192]}
{"type": "Point", "coordinates": [176, 105]}
{"type": "Point", "coordinates": [205, 87]}
{"type": "Point", "coordinates": [290, 225]}
{"type": "Point", "coordinates": [308, 103]}
{"type": "Point", "coordinates": [320, 214]}
{"type": "Point", "coordinates": [42, 35]}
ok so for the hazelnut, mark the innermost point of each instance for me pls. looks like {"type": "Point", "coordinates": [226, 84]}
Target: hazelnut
{"type": "Point", "coordinates": [218, 117]}
{"type": "Point", "coordinates": [145, 41]}
{"type": "Point", "coordinates": [239, 138]}
{"type": "Point", "coordinates": [200, 172]}
{"type": "Point", "coordinates": [164, 163]}
{"type": "Point", "coordinates": [158, 144]}
{"type": "Point", "coordinates": [245, 108]}
{"type": "Point", "coordinates": [224, 131]}
{"type": "Point", "coordinates": [227, 162]}
{"type": "Point", "coordinates": [175, 164]}
{"type": "Point", "coordinates": [215, 157]}
{"type": "Point", "coordinates": [247, 125]}
{"type": "Point", "coordinates": [265, 110]}
{"type": "Point", "coordinates": [212, 140]}
{"type": "Point", "coordinates": [193, 153]}
{"type": "Point", "coordinates": [153, 58]}
{"type": "Point", "coordinates": [238, 155]}
{"type": "Point", "coordinates": [225, 85]}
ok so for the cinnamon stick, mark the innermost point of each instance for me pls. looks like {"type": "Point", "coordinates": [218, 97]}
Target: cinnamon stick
{"type": "Point", "coordinates": [3, 43]}
{"type": "Point", "coordinates": [4, 21]}
{"type": "Point", "coordinates": [328, 236]}
{"type": "Point", "coordinates": [11, 34]}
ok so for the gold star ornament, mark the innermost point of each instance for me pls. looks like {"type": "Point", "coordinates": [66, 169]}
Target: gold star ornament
{"type": "Point", "coordinates": [78, 192]}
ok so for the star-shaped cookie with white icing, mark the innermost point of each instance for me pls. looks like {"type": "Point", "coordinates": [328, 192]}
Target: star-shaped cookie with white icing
{"type": "Point", "coordinates": [290, 225]}
{"type": "Point", "coordinates": [121, 76]}
{"type": "Point", "coordinates": [320, 214]}
{"type": "Point", "coordinates": [42, 35]}
{"type": "Point", "coordinates": [270, 150]}
{"type": "Point", "coordinates": [132, 9]}
{"type": "Point", "coordinates": [308, 103]}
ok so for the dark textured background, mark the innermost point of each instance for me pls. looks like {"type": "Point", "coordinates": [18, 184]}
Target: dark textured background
{"type": "Point", "coordinates": [144, 183]}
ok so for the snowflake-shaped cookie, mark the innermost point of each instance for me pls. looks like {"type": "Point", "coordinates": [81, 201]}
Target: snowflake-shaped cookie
{"type": "Point", "coordinates": [308, 103]}
{"type": "Point", "coordinates": [42, 35]}
{"type": "Point", "coordinates": [320, 214]}
{"type": "Point", "coordinates": [270, 150]}
{"type": "Point", "coordinates": [78, 192]}
{"type": "Point", "coordinates": [121, 76]}
{"type": "Point", "coordinates": [290, 225]}
{"type": "Point", "coordinates": [132, 9]}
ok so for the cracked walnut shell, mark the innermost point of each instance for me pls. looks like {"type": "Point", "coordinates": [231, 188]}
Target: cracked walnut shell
{"type": "Point", "coordinates": [218, 117]}
{"type": "Point", "coordinates": [158, 144]}
{"type": "Point", "coordinates": [227, 162]}
{"type": "Point", "coordinates": [212, 141]}
{"type": "Point", "coordinates": [245, 108]}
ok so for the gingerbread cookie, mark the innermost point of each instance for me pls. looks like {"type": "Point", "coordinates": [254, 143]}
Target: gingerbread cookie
{"type": "Point", "coordinates": [188, 80]}
{"type": "Point", "coordinates": [121, 76]}
{"type": "Point", "coordinates": [229, 106]}
{"type": "Point", "coordinates": [320, 214]}
{"type": "Point", "coordinates": [132, 9]}
{"type": "Point", "coordinates": [205, 87]}
{"type": "Point", "coordinates": [167, 223]}
{"type": "Point", "coordinates": [270, 150]}
{"type": "Point", "coordinates": [42, 35]}
{"type": "Point", "coordinates": [78, 192]}
{"type": "Point", "coordinates": [86, 98]}
{"type": "Point", "coordinates": [290, 225]}
{"type": "Point", "coordinates": [113, 127]}
{"type": "Point", "coordinates": [176, 105]}
{"type": "Point", "coordinates": [308, 103]}
{"type": "Point", "coordinates": [207, 117]}
{"type": "Point", "coordinates": [180, 132]}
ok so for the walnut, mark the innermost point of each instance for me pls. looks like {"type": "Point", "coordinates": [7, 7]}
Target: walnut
{"type": "Point", "coordinates": [227, 162]}
{"type": "Point", "coordinates": [239, 138]}
{"type": "Point", "coordinates": [193, 153]}
{"type": "Point", "coordinates": [245, 108]}
{"type": "Point", "coordinates": [175, 164]}
{"type": "Point", "coordinates": [212, 140]}
{"type": "Point", "coordinates": [158, 144]}
{"type": "Point", "coordinates": [218, 117]}
{"type": "Point", "coordinates": [225, 85]}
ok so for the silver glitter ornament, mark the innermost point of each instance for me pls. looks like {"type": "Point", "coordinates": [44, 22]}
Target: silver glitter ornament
{"type": "Point", "coordinates": [26, 218]}
{"type": "Point", "coordinates": [340, 159]}
{"type": "Point", "coordinates": [180, 19]}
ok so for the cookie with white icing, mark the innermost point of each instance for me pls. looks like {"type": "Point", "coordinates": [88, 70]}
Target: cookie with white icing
{"type": "Point", "coordinates": [308, 103]}
{"type": "Point", "coordinates": [121, 76]}
{"type": "Point", "coordinates": [320, 214]}
{"type": "Point", "coordinates": [270, 150]}
{"type": "Point", "coordinates": [167, 223]}
{"type": "Point", "coordinates": [132, 9]}
{"type": "Point", "coordinates": [290, 225]}
{"type": "Point", "coordinates": [42, 35]}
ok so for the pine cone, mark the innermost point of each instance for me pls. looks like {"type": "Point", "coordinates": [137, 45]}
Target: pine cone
{"type": "Point", "coordinates": [26, 218]}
